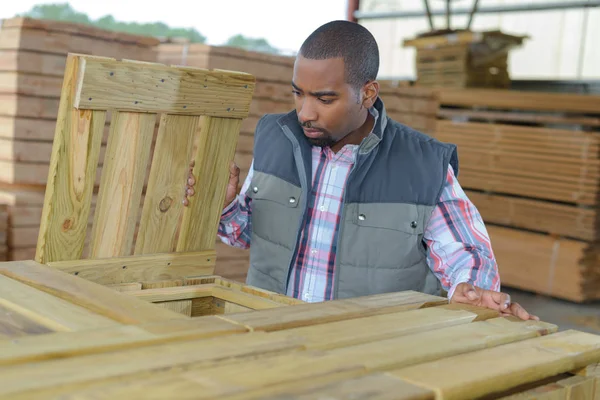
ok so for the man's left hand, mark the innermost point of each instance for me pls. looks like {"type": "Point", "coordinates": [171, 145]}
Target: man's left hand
{"type": "Point", "coordinates": [476, 296]}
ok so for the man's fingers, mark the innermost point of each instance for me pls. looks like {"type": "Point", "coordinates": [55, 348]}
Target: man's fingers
{"type": "Point", "coordinates": [501, 299]}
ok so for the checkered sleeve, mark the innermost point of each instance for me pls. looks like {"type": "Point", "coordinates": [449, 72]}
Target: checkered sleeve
{"type": "Point", "coordinates": [459, 247]}
{"type": "Point", "coordinates": [236, 219]}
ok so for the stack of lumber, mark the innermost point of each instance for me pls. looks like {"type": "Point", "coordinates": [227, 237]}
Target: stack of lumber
{"type": "Point", "coordinates": [32, 65]}
{"type": "Point", "coordinates": [463, 59]}
{"type": "Point", "coordinates": [272, 94]}
{"type": "Point", "coordinates": [531, 164]}
{"type": "Point", "coordinates": [65, 337]}
{"type": "Point", "coordinates": [412, 106]}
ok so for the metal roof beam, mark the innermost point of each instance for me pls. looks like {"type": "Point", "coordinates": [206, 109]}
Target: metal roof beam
{"type": "Point", "coordinates": [481, 10]}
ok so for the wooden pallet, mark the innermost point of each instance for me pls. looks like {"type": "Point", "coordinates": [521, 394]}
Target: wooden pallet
{"type": "Point", "coordinates": [63, 336]}
{"type": "Point", "coordinates": [463, 59]}
{"type": "Point", "coordinates": [530, 162]}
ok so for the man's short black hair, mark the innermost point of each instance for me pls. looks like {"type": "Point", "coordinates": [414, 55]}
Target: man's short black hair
{"type": "Point", "coordinates": [349, 40]}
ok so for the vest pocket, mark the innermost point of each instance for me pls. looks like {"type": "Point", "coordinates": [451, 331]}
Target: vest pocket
{"type": "Point", "coordinates": [382, 235]}
{"type": "Point", "coordinates": [275, 209]}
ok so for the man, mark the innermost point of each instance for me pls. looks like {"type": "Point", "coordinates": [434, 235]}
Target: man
{"type": "Point", "coordinates": [341, 201]}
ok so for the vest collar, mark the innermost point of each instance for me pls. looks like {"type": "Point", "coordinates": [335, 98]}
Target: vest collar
{"type": "Point", "coordinates": [371, 141]}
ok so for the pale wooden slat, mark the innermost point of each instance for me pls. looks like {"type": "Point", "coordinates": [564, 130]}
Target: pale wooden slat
{"type": "Point", "coordinates": [501, 368]}
{"type": "Point", "coordinates": [13, 325]}
{"type": "Point", "coordinates": [74, 344]}
{"type": "Point", "coordinates": [56, 375]}
{"type": "Point", "coordinates": [380, 327]}
{"type": "Point", "coordinates": [71, 175]}
{"type": "Point", "coordinates": [335, 310]}
{"type": "Point", "coordinates": [250, 375]}
{"type": "Point", "coordinates": [161, 266]}
{"type": "Point", "coordinates": [47, 310]}
{"type": "Point", "coordinates": [514, 99]}
{"type": "Point", "coordinates": [108, 83]}
{"type": "Point", "coordinates": [99, 299]}
{"type": "Point", "coordinates": [216, 149]}
{"type": "Point", "coordinates": [125, 166]}
{"type": "Point", "coordinates": [376, 386]}
{"type": "Point", "coordinates": [169, 172]}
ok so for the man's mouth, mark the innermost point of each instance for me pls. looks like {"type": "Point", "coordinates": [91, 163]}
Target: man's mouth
{"type": "Point", "coordinates": [312, 133]}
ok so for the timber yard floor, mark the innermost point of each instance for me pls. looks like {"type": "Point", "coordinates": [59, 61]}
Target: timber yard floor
{"type": "Point", "coordinates": [565, 314]}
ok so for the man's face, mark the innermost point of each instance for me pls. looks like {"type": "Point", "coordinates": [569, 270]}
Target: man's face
{"type": "Point", "coordinates": [327, 107]}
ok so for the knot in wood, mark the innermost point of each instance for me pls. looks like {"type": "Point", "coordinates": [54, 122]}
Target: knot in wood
{"type": "Point", "coordinates": [67, 225]}
{"type": "Point", "coordinates": [165, 204]}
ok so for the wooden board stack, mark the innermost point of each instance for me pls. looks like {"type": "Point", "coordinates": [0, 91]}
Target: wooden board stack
{"type": "Point", "coordinates": [463, 59]}
{"type": "Point", "coordinates": [531, 164]}
{"type": "Point", "coordinates": [32, 64]}
{"type": "Point", "coordinates": [63, 336]}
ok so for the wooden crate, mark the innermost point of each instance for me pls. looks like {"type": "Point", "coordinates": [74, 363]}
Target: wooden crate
{"type": "Point", "coordinates": [463, 59]}
{"type": "Point", "coordinates": [205, 295]}
{"type": "Point", "coordinates": [62, 336]}
{"type": "Point", "coordinates": [531, 164]}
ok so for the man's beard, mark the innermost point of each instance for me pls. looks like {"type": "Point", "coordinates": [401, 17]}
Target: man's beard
{"type": "Point", "coordinates": [325, 141]}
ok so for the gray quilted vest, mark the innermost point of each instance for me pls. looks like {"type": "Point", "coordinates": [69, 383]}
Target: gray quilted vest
{"type": "Point", "coordinates": [389, 197]}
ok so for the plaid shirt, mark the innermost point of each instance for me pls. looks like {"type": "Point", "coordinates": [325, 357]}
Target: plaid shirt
{"type": "Point", "coordinates": [458, 246]}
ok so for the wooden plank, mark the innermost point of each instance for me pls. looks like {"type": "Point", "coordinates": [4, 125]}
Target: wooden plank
{"type": "Point", "coordinates": [174, 293]}
{"type": "Point", "coordinates": [61, 43]}
{"type": "Point", "coordinates": [160, 266]}
{"type": "Point", "coordinates": [123, 176]}
{"type": "Point", "coordinates": [78, 29]}
{"type": "Point", "coordinates": [14, 324]}
{"type": "Point", "coordinates": [55, 374]}
{"type": "Point", "coordinates": [293, 366]}
{"type": "Point", "coordinates": [108, 83]}
{"type": "Point", "coordinates": [169, 172]}
{"type": "Point", "coordinates": [96, 298]}
{"type": "Point", "coordinates": [71, 175]}
{"type": "Point", "coordinates": [75, 344]}
{"type": "Point", "coordinates": [376, 386]}
{"type": "Point", "coordinates": [592, 372]}
{"type": "Point", "coordinates": [381, 327]}
{"type": "Point", "coordinates": [543, 216]}
{"type": "Point", "coordinates": [515, 99]}
{"type": "Point", "coordinates": [335, 310]}
{"type": "Point", "coordinates": [46, 310]}
{"type": "Point", "coordinates": [244, 299]}
{"type": "Point", "coordinates": [514, 364]}
{"type": "Point", "coordinates": [216, 149]}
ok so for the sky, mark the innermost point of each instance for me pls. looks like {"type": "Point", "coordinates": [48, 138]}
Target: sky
{"type": "Point", "coordinates": [284, 23]}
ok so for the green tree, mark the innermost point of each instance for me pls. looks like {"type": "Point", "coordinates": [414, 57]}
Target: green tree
{"type": "Point", "coordinates": [64, 12]}
{"type": "Point", "coordinates": [252, 44]}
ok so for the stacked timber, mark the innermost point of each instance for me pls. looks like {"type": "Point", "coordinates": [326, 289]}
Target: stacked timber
{"type": "Point", "coordinates": [32, 65]}
{"type": "Point", "coordinates": [463, 59]}
{"type": "Point", "coordinates": [413, 106]}
{"type": "Point", "coordinates": [80, 339]}
{"type": "Point", "coordinates": [531, 164]}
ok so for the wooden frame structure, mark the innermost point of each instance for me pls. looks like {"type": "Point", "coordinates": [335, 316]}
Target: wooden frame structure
{"type": "Point", "coordinates": [198, 109]}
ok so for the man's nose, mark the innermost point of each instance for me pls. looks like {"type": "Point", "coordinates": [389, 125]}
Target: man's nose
{"type": "Point", "coordinates": [307, 112]}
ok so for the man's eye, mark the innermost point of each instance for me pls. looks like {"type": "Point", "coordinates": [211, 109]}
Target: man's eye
{"type": "Point", "coordinates": [326, 101]}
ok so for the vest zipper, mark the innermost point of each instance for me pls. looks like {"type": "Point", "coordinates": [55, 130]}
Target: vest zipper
{"type": "Point", "coordinates": [304, 184]}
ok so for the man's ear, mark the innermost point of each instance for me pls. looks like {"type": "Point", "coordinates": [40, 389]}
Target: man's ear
{"type": "Point", "coordinates": [370, 94]}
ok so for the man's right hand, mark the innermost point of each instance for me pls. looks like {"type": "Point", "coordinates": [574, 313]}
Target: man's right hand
{"type": "Point", "coordinates": [232, 185]}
